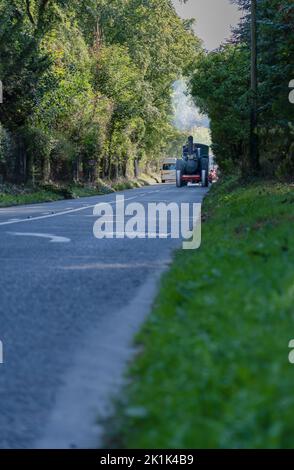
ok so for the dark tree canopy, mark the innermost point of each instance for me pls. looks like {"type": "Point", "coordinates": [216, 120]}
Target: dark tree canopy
{"type": "Point", "coordinates": [221, 87]}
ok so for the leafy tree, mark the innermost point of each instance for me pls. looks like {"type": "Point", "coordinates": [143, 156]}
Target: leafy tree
{"type": "Point", "coordinates": [23, 62]}
{"type": "Point", "coordinates": [225, 94]}
{"type": "Point", "coordinates": [91, 80]}
{"type": "Point", "coordinates": [220, 85]}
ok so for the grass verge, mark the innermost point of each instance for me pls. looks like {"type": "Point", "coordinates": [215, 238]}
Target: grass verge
{"type": "Point", "coordinates": [12, 195]}
{"type": "Point", "coordinates": [27, 196]}
{"type": "Point", "coordinates": [214, 369]}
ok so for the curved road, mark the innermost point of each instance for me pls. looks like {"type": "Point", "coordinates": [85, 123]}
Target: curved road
{"type": "Point", "coordinates": [69, 307]}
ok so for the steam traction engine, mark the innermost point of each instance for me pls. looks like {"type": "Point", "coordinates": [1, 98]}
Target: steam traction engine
{"type": "Point", "coordinates": [193, 167]}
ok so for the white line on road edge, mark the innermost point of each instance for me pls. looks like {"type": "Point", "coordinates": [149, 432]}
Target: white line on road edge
{"type": "Point", "coordinates": [78, 209]}
{"type": "Point", "coordinates": [53, 238]}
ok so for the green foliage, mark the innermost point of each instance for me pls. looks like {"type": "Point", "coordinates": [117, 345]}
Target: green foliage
{"type": "Point", "coordinates": [214, 369]}
{"type": "Point", "coordinates": [22, 58]}
{"type": "Point", "coordinates": [221, 86]}
{"type": "Point", "coordinates": [11, 195]}
{"type": "Point", "coordinates": [3, 140]}
{"type": "Point", "coordinates": [100, 103]}
{"type": "Point", "coordinates": [202, 135]}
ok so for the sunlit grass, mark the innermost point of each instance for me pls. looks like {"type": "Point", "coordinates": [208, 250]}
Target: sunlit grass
{"type": "Point", "coordinates": [214, 371]}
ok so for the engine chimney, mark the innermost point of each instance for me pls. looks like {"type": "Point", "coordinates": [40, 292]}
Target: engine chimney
{"type": "Point", "coordinates": [190, 145]}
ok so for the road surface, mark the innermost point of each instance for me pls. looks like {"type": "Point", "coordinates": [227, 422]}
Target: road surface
{"type": "Point", "coordinates": [69, 305]}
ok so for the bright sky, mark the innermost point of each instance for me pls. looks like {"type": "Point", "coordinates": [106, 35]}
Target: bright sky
{"type": "Point", "coordinates": [214, 19]}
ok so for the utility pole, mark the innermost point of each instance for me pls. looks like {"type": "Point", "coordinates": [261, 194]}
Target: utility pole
{"type": "Point", "coordinates": [254, 151]}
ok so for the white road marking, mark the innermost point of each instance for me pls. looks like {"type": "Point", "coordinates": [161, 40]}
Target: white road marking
{"type": "Point", "coordinates": [53, 238]}
{"type": "Point", "coordinates": [111, 266]}
{"type": "Point", "coordinates": [152, 235]}
{"type": "Point", "coordinates": [56, 214]}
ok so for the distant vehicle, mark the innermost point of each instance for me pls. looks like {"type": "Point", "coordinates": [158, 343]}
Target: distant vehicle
{"type": "Point", "coordinates": [213, 170]}
{"type": "Point", "coordinates": [213, 176]}
{"type": "Point", "coordinates": [193, 167]}
{"type": "Point", "coordinates": [168, 170]}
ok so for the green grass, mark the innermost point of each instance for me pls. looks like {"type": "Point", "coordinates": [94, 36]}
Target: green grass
{"type": "Point", "coordinates": [11, 195]}
{"type": "Point", "coordinates": [213, 371]}
{"type": "Point", "coordinates": [31, 197]}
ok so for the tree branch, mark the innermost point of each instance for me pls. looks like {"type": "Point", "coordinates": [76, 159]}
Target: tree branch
{"type": "Point", "coordinates": [28, 5]}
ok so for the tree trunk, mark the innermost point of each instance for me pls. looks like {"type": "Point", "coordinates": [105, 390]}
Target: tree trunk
{"type": "Point", "coordinates": [30, 177]}
{"type": "Point", "coordinates": [20, 164]}
{"type": "Point", "coordinates": [136, 168]}
{"type": "Point", "coordinates": [46, 169]}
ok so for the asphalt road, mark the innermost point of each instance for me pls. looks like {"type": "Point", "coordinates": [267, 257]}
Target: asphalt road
{"type": "Point", "coordinates": [57, 292]}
